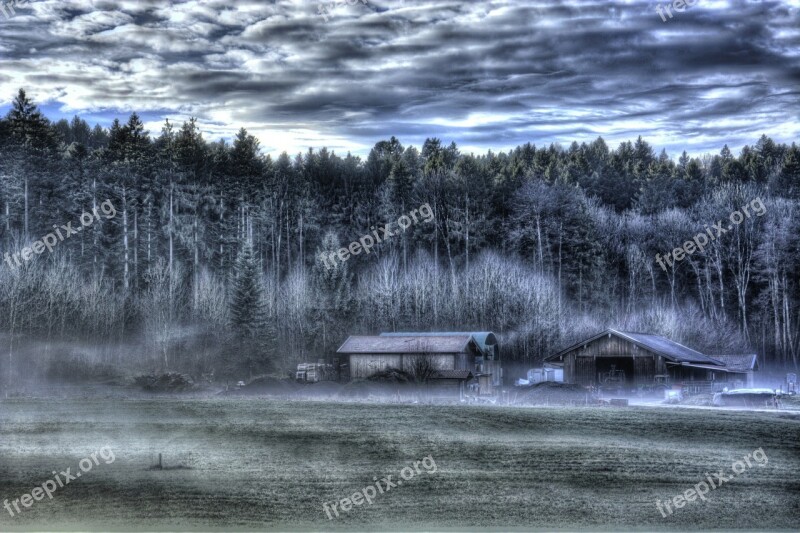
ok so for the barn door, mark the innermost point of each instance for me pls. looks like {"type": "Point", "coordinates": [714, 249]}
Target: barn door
{"type": "Point", "coordinates": [585, 370]}
{"type": "Point", "coordinates": [644, 370]}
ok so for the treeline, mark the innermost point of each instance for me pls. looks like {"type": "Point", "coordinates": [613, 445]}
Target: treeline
{"type": "Point", "coordinates": [212, 262]}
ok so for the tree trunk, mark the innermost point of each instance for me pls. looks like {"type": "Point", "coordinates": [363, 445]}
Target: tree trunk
{"type": "Point", "coordinates": [125, 247]}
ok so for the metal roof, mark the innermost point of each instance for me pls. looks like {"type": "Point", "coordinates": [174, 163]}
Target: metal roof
{"type": "Point", "coordinates": [667, 348]}
{"type": "Point", "coordinates": [655, 343]}
{"type": "Point", "coordinates": [406, 344]}
{"type": "Point", "coordinates": [742, 362]}
{"type": "Point", "coordinates": [484, 339]}
{"type": "Point", "coordinates": [716, 368]}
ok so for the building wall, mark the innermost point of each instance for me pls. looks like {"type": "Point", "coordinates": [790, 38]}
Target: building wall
{"type": "Point", "coordinates": [493, 368]}
{"type": "Point", "coordinates": [644, 368]}
{"type": "Point", "coordinates": [438, 361]}
{"type": "Point", "coordinates": [365, 365]}
{"type": "Point", "coordinates": [731, 379]}
{"type": "Point", "coordinates": [580, 365]}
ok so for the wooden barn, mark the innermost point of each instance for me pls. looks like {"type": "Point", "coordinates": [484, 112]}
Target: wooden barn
{"type": "Point", "coordinates": [486, 368]}
{"type": "Point", "coordinates": [625, 360]}
{"type": "Point", "coordinates": [459, 360]}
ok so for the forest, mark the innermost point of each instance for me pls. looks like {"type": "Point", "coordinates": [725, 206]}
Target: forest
{"type": "Point", "coordinates": [212, 263]}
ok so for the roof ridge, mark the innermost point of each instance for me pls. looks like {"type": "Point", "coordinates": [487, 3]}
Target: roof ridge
{"type": "Point", "coordinates": [654, 342]}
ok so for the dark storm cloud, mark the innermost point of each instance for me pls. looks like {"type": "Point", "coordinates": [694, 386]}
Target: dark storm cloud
{"type": "Point", "coordinates": [485, 74]}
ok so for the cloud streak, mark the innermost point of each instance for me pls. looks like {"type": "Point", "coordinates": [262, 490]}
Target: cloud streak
{"type": "Point", "coordinates": [490, 74]}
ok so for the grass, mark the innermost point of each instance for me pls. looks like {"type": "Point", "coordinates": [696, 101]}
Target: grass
{"type": "Point", "coordinates": [259, 464]}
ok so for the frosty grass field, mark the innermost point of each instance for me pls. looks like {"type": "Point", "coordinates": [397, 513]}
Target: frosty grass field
{"type": "Point", "coordinates": [260, 464]}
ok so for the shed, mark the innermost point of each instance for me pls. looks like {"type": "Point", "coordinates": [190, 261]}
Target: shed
{"type": "Point", "coordinates": [371, 354]}
{"type": "Point", "coordinates": [487, 368]}
{"type": "Point", "coordinates": [456, 358]}
{"type": "Point", "coordinates": [449, 383]}
{"type": "Point", "coordinates": [624, 359]}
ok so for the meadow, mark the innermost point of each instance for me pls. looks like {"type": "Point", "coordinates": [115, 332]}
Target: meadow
{"type": "Point", "coordinates": [270, 465]}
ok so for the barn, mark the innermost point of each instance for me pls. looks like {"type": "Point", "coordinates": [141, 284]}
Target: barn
{"type": "Point", "coordinates": [486, 366]}
{"type": "Point", "coordinates": [626, 360]}
{"type": "Point", "coordinates": [460, 360]}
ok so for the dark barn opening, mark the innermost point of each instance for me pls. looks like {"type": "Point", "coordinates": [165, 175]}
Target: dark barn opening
{"type": "Point", "coordinates": [615, 370]}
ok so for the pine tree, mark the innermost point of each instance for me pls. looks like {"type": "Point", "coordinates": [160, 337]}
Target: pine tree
{"type": "Point", "coordinates": [247, 315]}
{"type": "Point", "coordinates": [401, 182]}
{"type": "Point", "coordinates": [250, 335]}
{"type": "Point", "coordinates": [28, 126]}
{"type": "Point", "coordinates": [34, 159]}
{"type": "Point", "coordinates": [788, 180]}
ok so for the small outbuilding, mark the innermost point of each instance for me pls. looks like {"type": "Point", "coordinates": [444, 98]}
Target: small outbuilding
{"type": "Point", "coordinates": [454, 360]}
{"type": "Point", "coordinates": [486, 368]}
{"type": "Point", "coordinates": [743, 365]}
{"type": "Point", "coordinates": [449, 383]}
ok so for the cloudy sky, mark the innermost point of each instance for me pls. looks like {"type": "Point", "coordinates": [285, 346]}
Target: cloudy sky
{"type": "Point", "coordinates": [485, 74]}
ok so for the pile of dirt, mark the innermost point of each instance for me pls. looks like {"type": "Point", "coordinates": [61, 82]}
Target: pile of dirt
{"type": "Point", "coordinates": [697, 399]}
{"type": "Point", "coordinates": [167, 382]}
{"type": "Point", "coordinates": [265, 386]}
{"type": "Point", "coordinates": [553, 393]}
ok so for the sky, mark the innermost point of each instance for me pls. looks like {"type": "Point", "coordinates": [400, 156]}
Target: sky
{"type": "Point", "coordinates": [484, 74]}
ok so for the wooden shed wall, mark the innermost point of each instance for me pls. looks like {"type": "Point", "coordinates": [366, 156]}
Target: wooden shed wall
{"type": "Point", "coordinates": [438, 361]}
{"type": "Point", "coordinates": [364, 365]}
{"type": "Point", "coordinates": [610, 346]}
{"type": "Point", "coordinates": [580, 364]}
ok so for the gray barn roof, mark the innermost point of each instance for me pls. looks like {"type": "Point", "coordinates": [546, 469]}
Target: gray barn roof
{"type": "Point", "coordinates": [406, 344]}
{"type": "Point", "coordinates": [716, 368]}
{"type": "Point", "coordinates": [743, 362]}
{"type": "Point", "coordinates": [671, 350]}
{"type": "Point", "coordinates": [484, 339]}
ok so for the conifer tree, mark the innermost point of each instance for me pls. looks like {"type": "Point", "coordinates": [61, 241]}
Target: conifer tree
{"type": "Point", "coordinates": [246, 307]}
{"type": "Point", "coordinates": [248, 328]}
{"type": "Point", "coordinates": [788, 181]}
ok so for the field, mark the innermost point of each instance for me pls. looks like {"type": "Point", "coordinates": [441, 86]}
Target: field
{"type": "Point", "coordinates": [260, 464]}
